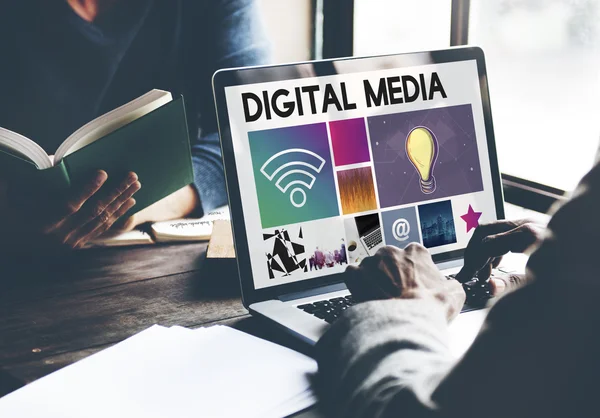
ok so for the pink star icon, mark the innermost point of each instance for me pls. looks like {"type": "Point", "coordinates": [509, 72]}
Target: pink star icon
{"type": "Point", "coordinates": [471, 218]}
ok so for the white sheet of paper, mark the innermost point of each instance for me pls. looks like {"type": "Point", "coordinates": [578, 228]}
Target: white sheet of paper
{"type": "Point", "coordinates": [211, 372]}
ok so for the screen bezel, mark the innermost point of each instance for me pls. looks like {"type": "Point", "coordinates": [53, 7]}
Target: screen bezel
{"type": "Point", "coordinates": [251, 75]}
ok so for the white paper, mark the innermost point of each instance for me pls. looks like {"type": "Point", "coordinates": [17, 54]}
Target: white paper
{"type": "Point", "coordinates": [161, 372]}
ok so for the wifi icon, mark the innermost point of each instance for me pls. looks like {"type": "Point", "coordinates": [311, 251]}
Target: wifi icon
{"type": "Point", "coordinates": [294, 169]}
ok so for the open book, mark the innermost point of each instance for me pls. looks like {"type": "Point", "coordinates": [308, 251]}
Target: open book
{"type": "Point", "coordinates": [148, 135]}
{"type": "Point", "coordinates": [177, 230]}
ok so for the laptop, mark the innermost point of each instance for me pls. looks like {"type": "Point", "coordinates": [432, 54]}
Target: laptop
{"type": "Point", "coordinates": [327, 161]}
{"type": "Point", "coordinates": [369, 230]}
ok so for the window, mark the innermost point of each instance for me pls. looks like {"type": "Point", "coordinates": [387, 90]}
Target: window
{"type": "Point", "coordinates": [543, 60]}
{"type": "Point", "coordinates": [390, 26]}
{"type": "Point", "coordinates": [288, 25]}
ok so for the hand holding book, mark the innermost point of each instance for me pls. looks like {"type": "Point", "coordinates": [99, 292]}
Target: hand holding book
{"type": "Point", "coordinates": [61, 201]}
{"type": "Point", "coordinates": [69, 219]}
{"type": "Point", "coordinates": [148, 136]}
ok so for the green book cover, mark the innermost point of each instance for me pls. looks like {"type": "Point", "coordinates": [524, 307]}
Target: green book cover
{"type": "Point", "coordinates": [155, 146]}
{"type": "Point", "coordinates": [25, 172]}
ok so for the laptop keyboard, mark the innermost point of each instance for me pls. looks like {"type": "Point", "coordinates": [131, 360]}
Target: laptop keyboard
{"type": "Point", "coordinates": [328, 310]}
{"type": "Point", "coordinates": [373, 239]}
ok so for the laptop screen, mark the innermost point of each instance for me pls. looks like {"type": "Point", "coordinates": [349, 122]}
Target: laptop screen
{"type": "Point", "coordinates": [331, 168]}
{"type": "Point", "coordinates": [367, 223]}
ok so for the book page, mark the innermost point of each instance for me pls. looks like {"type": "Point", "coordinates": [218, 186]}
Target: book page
{"type": "Point", "coordinates": [24, 148]}
{"type": "Point", "coordinates": [189, 229]}
{"type": "Point", "coordinates": [111, 121]}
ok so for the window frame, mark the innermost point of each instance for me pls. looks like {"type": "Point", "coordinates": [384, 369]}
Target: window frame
{"type": "Point", "coordinates": [333, 37]}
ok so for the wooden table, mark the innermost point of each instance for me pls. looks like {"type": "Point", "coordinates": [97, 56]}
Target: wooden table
{"type": "Point", "coordinates": [60, 311]}
{"type": "Point", "coordinates": [57, 312]}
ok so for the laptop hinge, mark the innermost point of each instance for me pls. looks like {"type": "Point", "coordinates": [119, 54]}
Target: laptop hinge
{"type": "Point", "coordinates": [330, 288]}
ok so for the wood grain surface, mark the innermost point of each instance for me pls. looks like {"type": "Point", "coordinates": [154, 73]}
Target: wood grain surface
{"type": "Point", "coordinates": [58, 311]}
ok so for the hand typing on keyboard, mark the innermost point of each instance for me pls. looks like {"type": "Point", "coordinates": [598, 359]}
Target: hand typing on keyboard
{"type": "Point", "coordinates": [411, 274]}
{"type": "Point", "coordinates": [485, 250]}
{"type": "Point", "coordinates": [404, 274]}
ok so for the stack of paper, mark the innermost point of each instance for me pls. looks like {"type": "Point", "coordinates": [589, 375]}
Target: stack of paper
{"type": "Point", "coordinates": [174, 372]}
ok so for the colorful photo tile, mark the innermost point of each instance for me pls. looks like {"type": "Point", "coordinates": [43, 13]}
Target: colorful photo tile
{"type": "Point", "coordinates": [357, 192]}
{"type": "Point", "coordinates": [437, 224]}
{"type": "Point", "coordinates": [364, 236]}
{"type": "Point", "coordinates": [349, 141]}
{"type": "Point", "coordinates": [297, 250]}
{"type": "Point", "coordinates": [293, 174]}
{"type": "Point", "coordinates": [326, 245]}
{"type": "Point", "coordinates": [400, 227]}
{"type": "Point", "coordinates": [355, 250]}
{"type": "Point", "coordinates": [425, 155]}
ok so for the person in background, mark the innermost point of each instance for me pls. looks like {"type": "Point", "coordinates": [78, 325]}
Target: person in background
{"type": "Point", "coordinates": [329, 258]}
{"type": "Point", "coordinates": [311, 262]}
{"type": "Point", "coordinates": [319, 258]}
{"type": "Point", "coordinates": [536, 355]}
{"type": "Point", "coordinates": [343, 257]}
{"type": "Point", "coordinates": [66, 62]}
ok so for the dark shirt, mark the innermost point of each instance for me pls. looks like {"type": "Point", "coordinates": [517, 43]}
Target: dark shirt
{"type": "Point", "coordinates": [58, 71]}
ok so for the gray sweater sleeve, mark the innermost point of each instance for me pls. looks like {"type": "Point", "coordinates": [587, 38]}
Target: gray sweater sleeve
{"type": "Point", "coordinates": [382, 352]}
{"type": "Point", "coordinates": [536, 355]}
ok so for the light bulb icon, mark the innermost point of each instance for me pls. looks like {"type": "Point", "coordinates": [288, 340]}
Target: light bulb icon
{"type": "Point", "coordinates": [422, 151]}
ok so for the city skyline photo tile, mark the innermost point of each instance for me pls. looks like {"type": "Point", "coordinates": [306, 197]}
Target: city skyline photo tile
{"type": "Point", "coordinates": [437, 224]}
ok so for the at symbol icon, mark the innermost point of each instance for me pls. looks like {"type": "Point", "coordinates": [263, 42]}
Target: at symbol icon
{"type": "Point", "coordinates": [401, 229]}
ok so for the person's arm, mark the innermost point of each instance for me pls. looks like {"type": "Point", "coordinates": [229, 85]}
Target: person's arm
{"type": "Point", "coordinates": [391, 359]}
{"type": "Point", "coordinates": [234, 37]}
{"type": "Point", "coordinates": [535, 355]}
{"type": "Point", "coordinates": [383, 350]}
{"type": "Point", "coordinates": [217, 34]}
